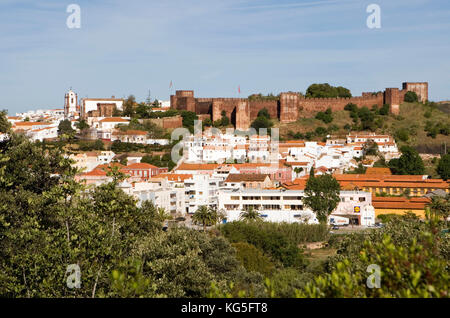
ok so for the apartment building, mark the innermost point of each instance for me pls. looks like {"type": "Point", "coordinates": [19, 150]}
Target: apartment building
{"type": "Point", "coordinates": [160, 192]}
{"type": "Point", "coordinates": [201, 190]}
{"type": "Point", "coordinates": [287, 205]}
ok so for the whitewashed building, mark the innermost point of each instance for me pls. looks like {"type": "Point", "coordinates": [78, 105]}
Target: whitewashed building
{"type": "Point", "coordinates": [287, 205]}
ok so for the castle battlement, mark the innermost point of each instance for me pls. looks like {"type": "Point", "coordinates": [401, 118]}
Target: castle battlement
{"type": "Point", "coordinates": [286, 108]}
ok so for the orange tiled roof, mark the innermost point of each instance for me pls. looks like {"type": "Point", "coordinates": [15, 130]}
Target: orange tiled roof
{"type": "Point", "coordinates": [174, 176]}
{"type": "Point", "coordinates": [129, 132]}
{"type": "Point", "coordinates": [108, 166]}
{"type": "Point", "coordinates": [239, 177]}
{"type": "Point", "coordinates": [95, 173]}
{"type": "Point", "coordinates": [380, 181]}
{"type": "Point", "coordinates": [195, 166]}
{"type": "Point", "coordinates": [113, 120]}
{"type": "Point", "coordinates": [29, 123]}
{"type": "Point", "coordinates": [372, 170]}
{"type": "Point", "coordinates": [141, 165]}
{"type": "Point", "coordinates": [400, 203]}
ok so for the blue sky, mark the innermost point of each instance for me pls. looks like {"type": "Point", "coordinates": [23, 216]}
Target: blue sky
{"type": "Point", "coordinates": [212, 46]}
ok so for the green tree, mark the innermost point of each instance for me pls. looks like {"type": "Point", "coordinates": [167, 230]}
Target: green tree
{"type": "Point", "coordinates": [322, 195]}
{"type": "Point", "coordinates": [188, 118]}
{"type": "Point", "coordinates": [82, 124]}
{"type": "Point", "coordinates": [443, 168]}
{"type": "Point", "coordinates": [225, 121]}
{"type": "Point", "coordinates": [4, 124]}
{"type": "Point", "coordinates": [326, 116]}
{"type": "Point", "coordinates": [163, 215]}
{"type": "Point", "coordinates": [143, 110]}
{"type": "Point", "coordinates": [264, 113]}
{"type": "Point", "coordinates": [408, 163]}
{"type": "Point", "coordinates": [65, 129]}
{"type": "Point", "coordinates": [370, 148]}
{"type": "Point", "coordinates": [206, 216]}
{"type": "Point", "coordinates": [440, 207]}
{"type": "Point", "coordinates": [128, 106]}
{"type": "Point", "coordinates": [411, 97]}
{"type": "Point", "coordinates": [412, 271]}
{"type": "Point", "coordinates": [367, 118]}
{"type": "Point", "coordinates": [250, 214]}
{"type": "Point", "coordinates": [402, 134]}
{"type": "Point", "coordinates": [261, 122]}
{"type": "Point", "coordinates": [253, 259]}
{"type": "Point", "coordinates": [326, 91]}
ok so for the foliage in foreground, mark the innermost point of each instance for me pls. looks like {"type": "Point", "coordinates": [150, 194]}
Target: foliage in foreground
{"type": "Point", "coordinates": [48, 222]}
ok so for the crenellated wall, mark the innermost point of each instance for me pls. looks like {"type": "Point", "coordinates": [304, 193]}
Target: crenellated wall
{"type": "Point", "coordinates": [243, 111]}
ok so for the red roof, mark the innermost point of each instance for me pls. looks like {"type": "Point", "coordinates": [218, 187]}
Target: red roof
{"type": "Point", "coordinates": [113, 120]}
{"type": "Point", "coordinates": [139, 166]}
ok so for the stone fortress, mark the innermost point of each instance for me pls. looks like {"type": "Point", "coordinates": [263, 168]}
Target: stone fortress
{"type": "Point", "coordinates": [288, 106]}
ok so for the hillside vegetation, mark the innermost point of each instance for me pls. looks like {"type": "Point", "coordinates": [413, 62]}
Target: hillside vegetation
{"type": "Point", "coordinates": [416, 126]}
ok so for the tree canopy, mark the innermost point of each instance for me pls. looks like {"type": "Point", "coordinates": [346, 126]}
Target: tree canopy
{"type": "Point", "coordinates": [443, 168]}
{"type": "Point", "coordinates": [411, 97]}
{"type": "Point", "coordinates": [327, 91]}
{"type": "Point", "coordinates": [408, 163]}
{"type": "Point", "coordinates": [322, 195]}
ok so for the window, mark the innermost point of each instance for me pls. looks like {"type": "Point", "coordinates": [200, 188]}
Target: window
{"type": "Point", "coordinates": [292, 198]}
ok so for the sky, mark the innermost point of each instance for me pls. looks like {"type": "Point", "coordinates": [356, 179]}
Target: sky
{"type": "Point", "coordinates": [215, 46]}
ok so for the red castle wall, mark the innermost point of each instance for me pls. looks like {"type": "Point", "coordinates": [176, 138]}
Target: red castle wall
{"type": "Point", "coordinates": [243, 111]}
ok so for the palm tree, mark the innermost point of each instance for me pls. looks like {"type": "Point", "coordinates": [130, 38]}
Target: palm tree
{"type": "Point", "coordinates": [250, 214]}
{"type": "Point", "coordinates": [440, 207]}
{"type": "Point", "coordinates": [205, 216]}
{"type": "Point", "coordinates": [163, 215]}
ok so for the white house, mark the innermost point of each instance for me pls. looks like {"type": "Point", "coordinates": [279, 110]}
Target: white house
{"type": "Point", "coordinates": [287, 205]}
{"type": "Point", "coordinates": [201, 190]}
{"type": "Point", "coordinates": [43, 133]}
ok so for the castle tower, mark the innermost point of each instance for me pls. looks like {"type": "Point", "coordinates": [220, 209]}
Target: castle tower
{"type": "Point", "coordinates": [70, 104]}
{"type": "Point", "coordinates": [183, 100]}
{"type": "Point", "coordinates": [421, 89]}
{"type": "Point", "coordinates": [243, 115]}
{"type": "Point", "coordinates": [288, 107]}
{"type": "Point", "coordinates": [392, 97]}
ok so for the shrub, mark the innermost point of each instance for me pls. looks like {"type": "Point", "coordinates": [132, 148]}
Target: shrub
{"type": "Point", "coordinates": [264, 113]}
{"type": "Point", "coordinates": [326, 116]}
{"type": "Point", "coordinates": [411, 97]}
{"type": "Point", "coordinates": [261, 122]}
{"type": "Point", "coordinates": [267, 239]}
{"type": "Point", "coordinates": [320, 131]}
{"type": "Point", "coordinates": [402, 134]}
{"type": "Point", "coordinates": [253, 259]}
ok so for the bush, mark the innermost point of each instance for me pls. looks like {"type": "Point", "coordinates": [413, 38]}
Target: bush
{"type": "Point", "coordinates": [351, 107]}
{"type": "Point", "coordinates": [383, 111]}
{"type": "Point", "coordinates": [266, 239]}
{"type": "Point", "coordinates": [326, 91]}
{"type": "Point", "coordinates": [402, 134]}
{"type": "Point", "coordinates": [326, 116]}
{"type": "Point", "coordinates": [411, 97]}
{"type": "Point", "coordinates": [261, 122]}
{"type": "Point", "coordinates": [188, 118]}
{"type": "Point", "coordinates": [253, 259]}
{"type": "Point", "coordinates": [264, 113]}
{"type": "Point", "coordinates": [443, 168]}
{"type": "Point", "coordinates": [320, 131]}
